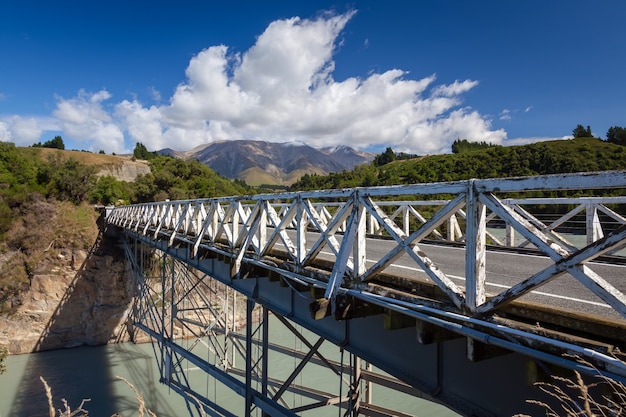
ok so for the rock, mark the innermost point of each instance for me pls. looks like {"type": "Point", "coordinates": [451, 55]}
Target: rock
{"type": "Point", "coordinates": [127, 171]}
{"type": "Point", "coordinates": [82, 301]}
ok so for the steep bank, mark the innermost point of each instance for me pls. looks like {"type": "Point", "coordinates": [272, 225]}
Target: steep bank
{"type": "Point", "coordinates": [74, 295]}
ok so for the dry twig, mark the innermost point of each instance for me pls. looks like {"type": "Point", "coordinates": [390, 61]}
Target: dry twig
{"type": "Point", "coordinates": [79, 412]}
{"type": "Point", "coordinates": [139, 396]}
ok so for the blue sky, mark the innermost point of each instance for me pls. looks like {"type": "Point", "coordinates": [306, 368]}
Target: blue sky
{"type": "Point", "coordinates": [413, 75]}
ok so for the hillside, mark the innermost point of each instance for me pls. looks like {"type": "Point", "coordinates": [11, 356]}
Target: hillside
{"type": "Point", "coordinates": [122, 168]}
{"type": "Point", "coordinates": [552, 157]}
{"type": "Point", "coordinates": [47, 197]}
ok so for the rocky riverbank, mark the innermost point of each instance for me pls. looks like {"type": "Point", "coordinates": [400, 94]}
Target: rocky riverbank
{"type": "Point", "coordinates": [55, 293]}
{"type": "Point", "coordinates": [82, 298]}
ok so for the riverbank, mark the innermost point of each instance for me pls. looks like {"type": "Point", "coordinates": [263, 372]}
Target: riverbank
{"type": "Point", "coordinates": [81, 299]}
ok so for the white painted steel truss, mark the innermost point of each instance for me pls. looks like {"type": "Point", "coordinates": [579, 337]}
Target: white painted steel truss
{"type": "Point", "coordinates": [254, 229]}
{"type": "Point", "coordinates": [208, 339]}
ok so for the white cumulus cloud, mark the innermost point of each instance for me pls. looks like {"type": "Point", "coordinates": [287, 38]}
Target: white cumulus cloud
{"type": "Point", "coordinates": [23, 131]}
{"type": "Point", "coordinates": [85, 120]}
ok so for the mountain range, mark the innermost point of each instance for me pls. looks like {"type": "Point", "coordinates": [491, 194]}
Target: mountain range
{"type": "Point", "coordinates": [259, 162]}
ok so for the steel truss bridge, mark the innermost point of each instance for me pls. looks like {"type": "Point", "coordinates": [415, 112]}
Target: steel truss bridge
{"type": "Point", "coordinates": [355, 279]}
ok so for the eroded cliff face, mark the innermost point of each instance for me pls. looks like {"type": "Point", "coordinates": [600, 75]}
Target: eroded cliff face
{"type": "Point", "coordinates": [83, 299]}
{"type": "Point", "coordinates": [128, 170]}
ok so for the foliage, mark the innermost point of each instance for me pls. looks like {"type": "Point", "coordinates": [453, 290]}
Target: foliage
{"type": "Point", "coordinates": [141, 152]}
{"type": "Point", "coordinates": [18, 177]}
{"type": "Point", "coordinates": [400, 156]}
{"type": "Point", "coordinates": [389, 156]}
{"type": "Point", "coordinates": [109, 191]}
{"type": "Point", "coordinates": [67, 179]}
{"type": "Point", "coordinates": [461, 146]}
{"type": "Point", "coordinates": [580, 132]}
{"type": "Point", "coordinates": [552, 157]}
{"type": "Point", "coordinates": [617, 135]}
{"type": "Point", "coordinates": [385, 157]}
{"type": "Point", "coordinates": [176, 179]}
{"type": "Point", "coordinates": [56, 143]}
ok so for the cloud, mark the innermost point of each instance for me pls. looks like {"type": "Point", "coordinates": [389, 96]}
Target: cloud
{"type": "Point", "coordinates": [23, 131]}
{"type": "Point", "coordinates": [154, 94]}
{"type": "Point", "coordinates": [142, 124]}
{"type": "Point", "coordinates": [282, 90]}
{"type": "Point", "coordinates": [454, 89]}
{"type": "Point", "coordinates": [505, 114]}
{"type": "Point", "coordinates": [85, 120]}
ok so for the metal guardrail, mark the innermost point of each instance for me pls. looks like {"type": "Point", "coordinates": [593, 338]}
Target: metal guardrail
{"type": "Point", "coordinates": [252, 227]}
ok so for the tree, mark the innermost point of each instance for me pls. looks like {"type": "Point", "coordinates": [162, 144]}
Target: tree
{"type": "Point", "coordinates": [385, 157]}
{"type": "Point", "coordinates": [67, 179]}
{"type": "Point", "coordinates": [56, 143]}
{"type": "Point", "coordinates": [463, 145]}
{"type": "Point", "coordinates": [141, 152]}
{"type": "Point", "coordinates": [617, 135]}
{"type": "Point", "coordinates": [581, 132]}
{"type": "Point", "coordinates": [108, 190]}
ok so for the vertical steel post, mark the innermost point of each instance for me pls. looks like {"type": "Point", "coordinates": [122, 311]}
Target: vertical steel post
{"type": "Point", "coordinates": [355, 390]}
{"type": "Point", "coordinates": [593, 225]}
{"type": "Point", "coordinates": [162, 335]}
{"type": "Point", "coordinates": [265, 355]}
{"type": "Point", "coordinates": [475, 249]}
{"type": "Point", "coordinates": [249, 323]}
{"type": "Point", "coordinates": [359, 253]}
{"type": "Point", "coordinates": [301, 224]}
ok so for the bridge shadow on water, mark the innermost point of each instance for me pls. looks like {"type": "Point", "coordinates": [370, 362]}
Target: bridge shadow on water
{"type": "Point", "coordinates": [91, 312]}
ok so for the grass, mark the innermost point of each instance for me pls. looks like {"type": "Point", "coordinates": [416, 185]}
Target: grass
{"type": "Point", "coordinates": [576, 397]}
{"type": "Point", "coordinates": [67, 411]}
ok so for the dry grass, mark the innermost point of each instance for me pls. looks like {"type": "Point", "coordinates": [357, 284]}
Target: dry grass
{"type": "Point", "coordinates": [578, 398]}
{"type": "Point", "coordinates": [82, 412]}
{"type": "Point", "coordinates": [79, 412]}
{"type": "Point", "coordinates": [87, 158]}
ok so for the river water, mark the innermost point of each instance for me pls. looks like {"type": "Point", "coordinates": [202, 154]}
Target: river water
{"type": "Point", "coordinates": [91, 372]}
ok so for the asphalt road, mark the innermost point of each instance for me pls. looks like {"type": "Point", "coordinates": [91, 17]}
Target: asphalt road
{"type": "Point", "coordinates": [505, 269]}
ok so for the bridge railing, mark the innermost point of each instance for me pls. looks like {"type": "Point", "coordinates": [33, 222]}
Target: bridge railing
{"type": "Point", "coordinates": [337, 226]}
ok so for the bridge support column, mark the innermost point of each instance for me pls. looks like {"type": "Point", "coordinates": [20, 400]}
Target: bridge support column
{"type": "Point", "coordinates": [249, 363]}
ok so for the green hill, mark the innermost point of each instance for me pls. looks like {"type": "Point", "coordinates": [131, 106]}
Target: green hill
{"type": "Point", "coordinates": [552, 157]}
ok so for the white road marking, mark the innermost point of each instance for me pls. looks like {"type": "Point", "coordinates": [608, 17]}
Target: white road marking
{"type": "Point", "coordinates": [545, 294]}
